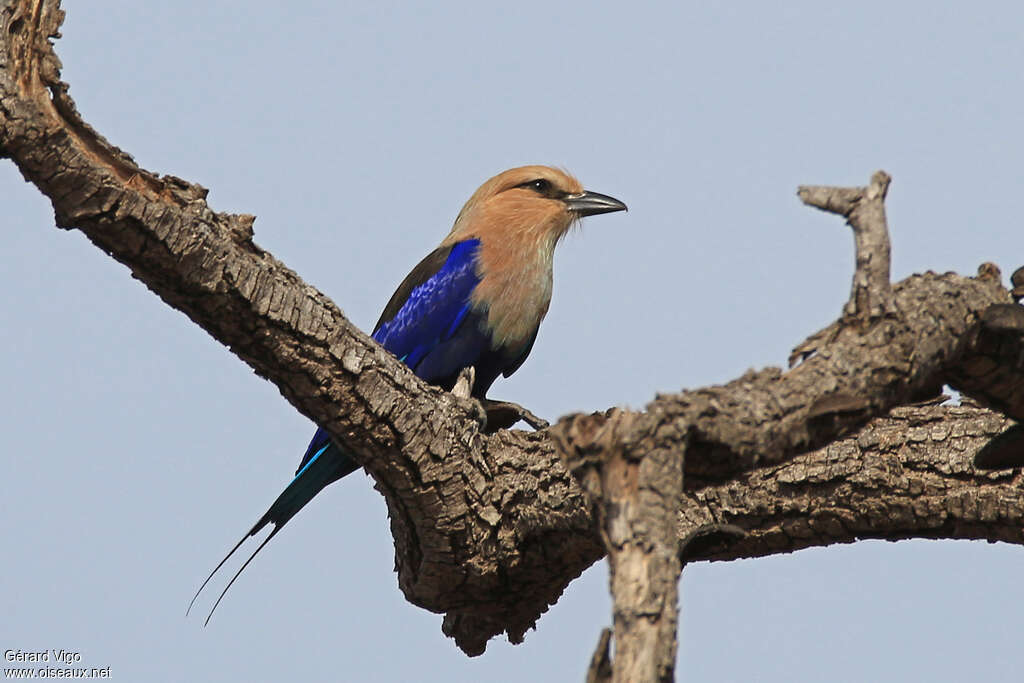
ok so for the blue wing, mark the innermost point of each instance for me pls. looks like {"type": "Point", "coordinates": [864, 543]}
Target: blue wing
{"type": "Point", "coordinates": [430, 326]}
{"type": "Point", "coordinates": [428, 323]}
{"type": "Point", "coordinates": [433, 310]}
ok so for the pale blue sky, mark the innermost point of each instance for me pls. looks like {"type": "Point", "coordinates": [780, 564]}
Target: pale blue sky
{"type": "Point", "coordinates": [138, 449]}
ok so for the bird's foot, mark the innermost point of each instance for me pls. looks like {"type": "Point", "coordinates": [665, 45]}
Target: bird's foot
{"type": "Point", "coordinates": [502, 415]}
{"type": "Point", "coordinates": [464, 384]}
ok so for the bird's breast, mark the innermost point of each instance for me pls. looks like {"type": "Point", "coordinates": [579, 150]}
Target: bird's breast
{"type": "Point", "coordinates": [515, 291]}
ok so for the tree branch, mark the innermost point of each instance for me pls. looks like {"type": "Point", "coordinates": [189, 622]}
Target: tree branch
{"type": "Point", "coordinates": [908, 475]}
{"type": "Point", "coordinates": [488, 528]}
{"type": "Point", "coordinates": [864, 209]}
{"type": "Point", "coordinates": [991, 367]}
{"type": "Point", "coordinates": [636, 492]}
{"type": "Point", "coordinates": [850, 375]}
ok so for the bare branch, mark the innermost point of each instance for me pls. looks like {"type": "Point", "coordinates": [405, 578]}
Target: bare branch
{"type": "Point", "coordinates": [990, 369]}
{"type": "Point", "coordinates": [767, 416]}
{"type": "Point", "coordinates": [600, 670]}
{"type": "Point", "coordinates": [1003, 452]}
{"type": "Point", "coordinates": [909, 475]}
{"type": "Point", "coordinates": [490, 528]}
{"type": "Point", "coordinates": [636, 491]}
{"type": "Point", "coordinates": [1017, 279]}
{"type": "Point", "coordinates": [864, 209]}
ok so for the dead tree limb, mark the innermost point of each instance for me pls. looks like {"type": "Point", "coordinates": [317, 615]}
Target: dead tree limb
{"type": "Point", "coordinates": [488, 528]}
{"type": "Point", "coordinates": [636, 492]}
{"type": "Point", "coordinates": [907, 475]}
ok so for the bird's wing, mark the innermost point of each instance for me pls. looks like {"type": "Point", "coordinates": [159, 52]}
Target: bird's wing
{"type": "Point", "coordinates": [424, 270]}
{"type": "Point", "coordinates": [430, 304]}
{"type": "Point", "coordinates": [429, 326]}
{"type": "Point", "coordinates": [424, 312]}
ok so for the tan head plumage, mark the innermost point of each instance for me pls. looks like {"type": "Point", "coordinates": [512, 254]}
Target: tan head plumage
{"type": "Point", "coordinates": [519, 216]}
{"type": "Point", "coordinates": [527, 202]}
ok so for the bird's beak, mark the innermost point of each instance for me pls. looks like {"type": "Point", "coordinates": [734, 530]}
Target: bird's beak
{"type": "Point", "coordinates": [593, 203]}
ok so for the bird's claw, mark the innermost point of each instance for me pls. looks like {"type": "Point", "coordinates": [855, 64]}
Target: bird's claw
{"type": "Point", "coordinates": [500, 414]}
{"type": "Point", "coordinates": [503, 414]}
{"type": "Point", "coordinates": [464, 384]}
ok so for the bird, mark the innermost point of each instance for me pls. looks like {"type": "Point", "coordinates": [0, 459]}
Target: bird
{"type": "Point", "coordinates": [476, 301]}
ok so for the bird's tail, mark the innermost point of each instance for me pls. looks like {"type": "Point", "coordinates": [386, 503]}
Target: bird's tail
{"type": "Point", "coordinates": [322, 466]}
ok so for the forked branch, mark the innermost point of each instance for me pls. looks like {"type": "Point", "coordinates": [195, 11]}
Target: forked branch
{"type": "Point", "coordinates": [489, 528]}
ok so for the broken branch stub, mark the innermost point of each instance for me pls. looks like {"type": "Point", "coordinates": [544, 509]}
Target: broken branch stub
{"type": "Point", "coordinates": [635, 490]}
{"type": "Point", "coordinates": [864, 210]}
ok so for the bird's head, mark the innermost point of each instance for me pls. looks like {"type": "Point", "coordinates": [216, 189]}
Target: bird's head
{"type": "Point", "coordinates": [529, 203]}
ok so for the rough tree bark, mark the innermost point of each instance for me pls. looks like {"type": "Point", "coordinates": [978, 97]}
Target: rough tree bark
{"type": "Point", "coordinates": [489, 528]}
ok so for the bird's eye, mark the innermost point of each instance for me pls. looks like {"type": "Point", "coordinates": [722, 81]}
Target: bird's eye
{"type": "Point", "coordinates": [540, 185]}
